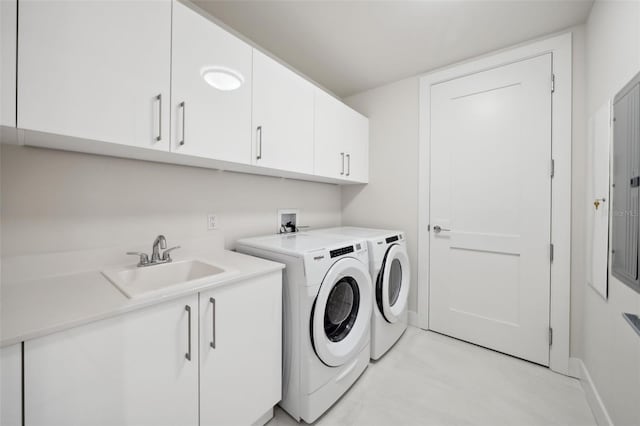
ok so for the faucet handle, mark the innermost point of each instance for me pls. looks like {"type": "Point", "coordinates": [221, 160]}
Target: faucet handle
{"type": "Point", "coordinates": [144, 257]}
{"type": "Point", "coordinates": [166, 256]}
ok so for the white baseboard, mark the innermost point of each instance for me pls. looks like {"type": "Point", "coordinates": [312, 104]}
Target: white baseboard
{"type": "Point", "coordinates": [265, 418]}
{"type": "Point", "coordinates": [575, 368]}
{"type": "Point", "coordinates": [413, 319]}
{"type": "Point", "coordinates": [578, 369]}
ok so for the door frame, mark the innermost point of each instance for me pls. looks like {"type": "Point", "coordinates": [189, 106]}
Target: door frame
{"type": "Point", "coordinates": [560, 47]}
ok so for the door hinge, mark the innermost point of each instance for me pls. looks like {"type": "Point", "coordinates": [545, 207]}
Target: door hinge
{"type": "Point", "coordinates": [551, 252]}
{"type": "Point", "coordinates": [553, 168]}
{"type": "Point", "coordinates": [550, 336]}
{"type": "Point", "coordinates": [553, 83]}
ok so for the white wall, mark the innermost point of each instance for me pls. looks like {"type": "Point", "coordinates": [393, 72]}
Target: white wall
{"type": "Point", "coordinates": [611, 350]}
{"type": "Point", "coordinates": [58, 201]}
{"type": "Point", "coordinates": [390, 200]}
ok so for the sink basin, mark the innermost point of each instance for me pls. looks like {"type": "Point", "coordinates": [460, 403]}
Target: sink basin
{"type": "Point", "coordinates": [134, 281]}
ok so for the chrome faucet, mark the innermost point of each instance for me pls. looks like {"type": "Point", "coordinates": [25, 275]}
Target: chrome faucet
{"type": "Point", "coordinates": [159, 243]}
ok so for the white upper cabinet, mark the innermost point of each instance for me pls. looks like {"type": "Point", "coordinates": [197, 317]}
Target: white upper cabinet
{"type": "Point", "coordinates": [11, 385]}
{"type": "Point", "coordinates": [330, 143]}
{"type": "Point", "coordinates": [113, 76]}
{"type": "Point", "coordinates": [358, 159]}
{"type": "Point", "coordinates": [8, 32]}
{"type": "Point", "coordinates": [96, 70]}
{"type": "Point", "coordinates": [282, 117]}
{"type": "Point", "coordinates": [341, 140]}
{"type": "Point", "coordinates": [209, 119]}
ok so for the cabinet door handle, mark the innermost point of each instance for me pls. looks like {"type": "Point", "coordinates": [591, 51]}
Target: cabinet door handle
{"type": "Point", "coordinates": [213, 322]}
{"type": "Point", "coordinates": [342, 171]}
{"type": "Point", "coordinates": [259, 141]}
{"type": "Point", "coordinates": [184, 123]}
{"type": "Point", "coordinates": [188, 354]}
{"type": "Point", "coordinates": [348, 164]}
{"type": "Point", "coordinates": [159, 100]}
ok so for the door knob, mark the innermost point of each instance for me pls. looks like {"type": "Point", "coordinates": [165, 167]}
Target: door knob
{"type": "Point", "coordinates": [437, 229]}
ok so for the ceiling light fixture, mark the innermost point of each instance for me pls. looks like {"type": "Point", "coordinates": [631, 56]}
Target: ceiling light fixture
{"type": "Point", "coordinates": [222, 78]}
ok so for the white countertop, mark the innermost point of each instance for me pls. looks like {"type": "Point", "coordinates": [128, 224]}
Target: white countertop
{"type": "Point", "coordinates": [34, 304]}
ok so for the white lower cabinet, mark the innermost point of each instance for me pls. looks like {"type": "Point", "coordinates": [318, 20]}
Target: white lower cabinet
{"type": "Point", "coordinates": [11, 385]}
{"type": "Point", "coordinates": [240, 351]}
{"type": "Point", "coordinates": [128, 370]}
{"type": "Point", "coordinates": [212, 358]}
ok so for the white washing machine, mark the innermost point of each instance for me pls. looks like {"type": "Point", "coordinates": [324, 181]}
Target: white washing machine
{"type": "Point", "coordinates": [390, 274]}
{"type": "Point", "coordinates": [327, 304]}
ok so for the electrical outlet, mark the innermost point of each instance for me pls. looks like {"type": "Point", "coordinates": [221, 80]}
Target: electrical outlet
{"type": "Point", "coordinates": [212, 221]}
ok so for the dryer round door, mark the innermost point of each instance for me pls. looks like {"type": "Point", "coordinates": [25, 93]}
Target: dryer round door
{"type": "Point", "coordinates": [392, 284]}
{"type": "Point", "coordinates": [342, 312]}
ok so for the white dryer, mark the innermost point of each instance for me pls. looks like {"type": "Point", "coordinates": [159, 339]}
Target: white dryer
{"type": "Point", "coordinates": [390, 274]}
{"type": "Point", "coordinates": [327, 304]}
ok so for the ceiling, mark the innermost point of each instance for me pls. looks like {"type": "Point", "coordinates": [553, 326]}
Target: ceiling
{"type": "Point", "coordinates": [352, 46]}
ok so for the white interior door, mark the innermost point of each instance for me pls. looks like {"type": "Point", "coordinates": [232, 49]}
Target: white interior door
{"type": "Point", "coordinates": [491, 208]}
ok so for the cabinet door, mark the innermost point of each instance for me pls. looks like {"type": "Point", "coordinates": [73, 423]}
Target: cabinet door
{"type": "Point", "coordinates": [8, 29]}
{"type": "Point", "coordinates": [341, 140]}
{"type": "Point", "coordinates": [330, 142]}
{"type": "Point", "coordinates": [127, 370]}
{"type": "Point", "coordinates": [209, 120]}
{"type": "Point", "coordinates": [11, 385]}
{"type": "Point", "coordinates": [282, 117]}
{"type": "Point", "coordinates": [240, 344]}
{"type": "Point", "coordinates": [357, 130]}
{"type": "Point", "coordinates": [96, 70]}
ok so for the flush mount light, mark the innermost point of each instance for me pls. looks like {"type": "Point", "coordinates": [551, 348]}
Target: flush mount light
{"type": "Point", "coordinates": [221, 78]}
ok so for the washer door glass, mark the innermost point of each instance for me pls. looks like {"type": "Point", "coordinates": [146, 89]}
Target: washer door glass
{"type": "Point", "coordinates": [392, 284]}
{"type": "Point", "coordinates": [341, 314]}
{"type": "Point", "coordinates": [395, 281]}
{"type": "Point", "coordinates": [342, 309]}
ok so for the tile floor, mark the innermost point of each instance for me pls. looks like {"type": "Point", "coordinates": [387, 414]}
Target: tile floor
{"type": "Point", "coordinates": [430, 379]}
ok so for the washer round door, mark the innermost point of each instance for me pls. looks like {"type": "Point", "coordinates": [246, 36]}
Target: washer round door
{"type": "Point", "coordinates": [342, 312]}
{"type": "Point", "coordinates": [392, 284]}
